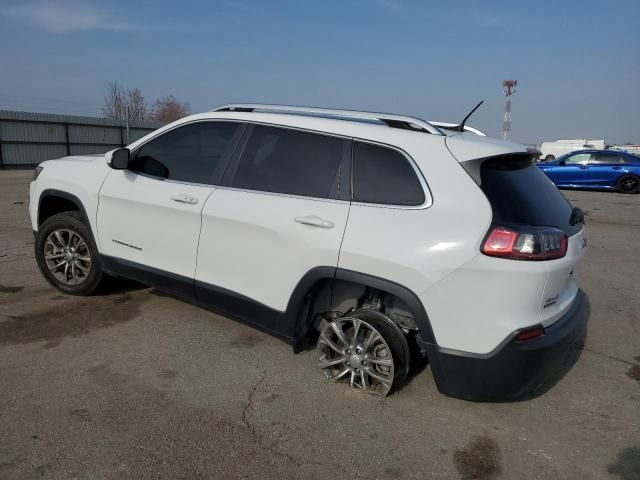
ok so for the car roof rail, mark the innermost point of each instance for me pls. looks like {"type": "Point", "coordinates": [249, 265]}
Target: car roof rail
{"type": "Point", "coordinates": [447, 126]}
{"type": "Point", "coordinates": [389, 119]}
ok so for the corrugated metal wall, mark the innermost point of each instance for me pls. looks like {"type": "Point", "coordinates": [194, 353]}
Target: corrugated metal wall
{"type": "Point", "coordinates": [27, 139]}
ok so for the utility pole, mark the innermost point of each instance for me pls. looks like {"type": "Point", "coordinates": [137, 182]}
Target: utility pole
{"type": "Point", "coordinates": [509, 87]}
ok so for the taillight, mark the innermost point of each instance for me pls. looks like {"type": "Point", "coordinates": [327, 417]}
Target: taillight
{"type": "Point", "coordinates": [535, 244]}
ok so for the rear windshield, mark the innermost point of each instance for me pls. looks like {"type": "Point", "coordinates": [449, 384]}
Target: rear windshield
{"type": "Point", "coordinates": [520, 194]}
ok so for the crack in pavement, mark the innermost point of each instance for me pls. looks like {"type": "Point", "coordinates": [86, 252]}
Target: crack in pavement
{"type": "Point", "coordinates": [610, 357]}
{"type": "Point", "coordinates": [249, 405]}
{"type": "Point", "coordinates": [273, 448]}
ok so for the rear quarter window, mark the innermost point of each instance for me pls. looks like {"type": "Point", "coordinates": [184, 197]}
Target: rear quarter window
{"type": "Point", "coordinates": [382, 175]}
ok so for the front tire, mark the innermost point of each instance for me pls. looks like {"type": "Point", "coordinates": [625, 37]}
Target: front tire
{"type": "Point", "coordinates": [628, 184]}
{"type": "Point", "coordinates": [365, 349]}
{"type": "Point", "coordinates": [67, 255]}
{"type": "Point", "coordinates": [549, 158]}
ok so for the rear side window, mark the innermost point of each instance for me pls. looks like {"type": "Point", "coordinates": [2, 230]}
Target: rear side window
{"type": "Point", "coordinates": [606, 158]}
{"type": "Point", "coordinates": [192, 153]}
{"type": "Point", "coordinates": [520, 194]}
{"type": "Point", "coordinates": [382, 175]}
{"type": "Point", "coordinates": [288, 161]}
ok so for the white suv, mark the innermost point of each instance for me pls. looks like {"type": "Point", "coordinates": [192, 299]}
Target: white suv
{"type": "Point", "coordinates": [378, 236]}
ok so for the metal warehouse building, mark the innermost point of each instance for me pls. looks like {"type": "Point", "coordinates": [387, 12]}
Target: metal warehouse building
{"type": "Point", "coordinates": [27, 139]}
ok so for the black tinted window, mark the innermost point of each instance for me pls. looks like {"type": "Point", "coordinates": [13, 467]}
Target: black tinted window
{"type": "Point", "coordinates": [289, 161]}
{"type": "Point", "coordinates": [191, 153]}
{"type": "Point", "coordinates": [605, 158]}
{"type": "Point", "coordinates": [383, 175]}
{"type": "Point", "coordinates": [521, 194]}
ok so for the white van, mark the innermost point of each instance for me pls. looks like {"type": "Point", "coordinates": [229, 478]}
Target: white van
{"type": "Point", "coordinates": [552, 150]}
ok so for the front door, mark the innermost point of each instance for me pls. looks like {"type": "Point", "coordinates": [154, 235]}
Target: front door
{"type": "Point", "coordinates": [574, 171]}
{"type": "Point", "coordinates": [149, 216]}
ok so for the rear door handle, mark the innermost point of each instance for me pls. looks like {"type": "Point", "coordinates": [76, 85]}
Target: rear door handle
{"type": "Point", "coordinates": [184, 198]}
{"type": "Point", "coordinates": [584, 167]}
{"type": "Point", "coordinates": [314, 221]}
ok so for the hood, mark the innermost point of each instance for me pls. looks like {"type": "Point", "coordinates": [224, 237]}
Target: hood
{"type": "Point", "coordinates": [94, 158]}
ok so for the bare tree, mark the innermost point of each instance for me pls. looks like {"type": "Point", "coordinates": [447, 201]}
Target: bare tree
{"type": "Point", "coordinates": [168, 109]}
{"type": "Point", "coordinates": [120, 103]}
{"type": "Point", "coordinates": [137, 105]}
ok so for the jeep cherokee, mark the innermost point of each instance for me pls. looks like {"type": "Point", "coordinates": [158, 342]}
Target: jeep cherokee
{"type": "Point", "coordinates": [376, 236]}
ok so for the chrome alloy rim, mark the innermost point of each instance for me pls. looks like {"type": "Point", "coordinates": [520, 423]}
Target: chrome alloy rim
{"type": "Point", "coordinates": [67, 256]}
{"type": "Point", "coordinates": [350, 349]}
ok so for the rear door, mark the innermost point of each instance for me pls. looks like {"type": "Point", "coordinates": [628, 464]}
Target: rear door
{"type": "Point", "coordinates": [150, 213]}
{"type": "Point", "coordinates": [605, 168]}
{"type": "Point", "coordinates": [279, 214]}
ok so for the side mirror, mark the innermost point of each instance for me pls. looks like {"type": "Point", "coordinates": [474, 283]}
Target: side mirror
{"type": "Point", "coordinates": [561, 162]}
{"type": "Point", "coordinates": [120, 159]}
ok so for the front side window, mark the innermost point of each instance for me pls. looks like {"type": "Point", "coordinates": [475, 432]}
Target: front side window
{"type": "Point", "coordinates": [287, 161]}
{"type": "Point", "coordinates": [192, 153]}
{"type": "Point", "coordinates": [385, 176]}
{"type": "Point", "coordinates": [579, 158]}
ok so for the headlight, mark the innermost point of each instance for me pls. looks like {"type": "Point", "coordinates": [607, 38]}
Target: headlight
{"type": "Point", "coordinates": [36, 172]}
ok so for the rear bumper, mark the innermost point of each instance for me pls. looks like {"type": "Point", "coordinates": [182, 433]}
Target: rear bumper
{"type": "Point", "coordinates": [515, 369]}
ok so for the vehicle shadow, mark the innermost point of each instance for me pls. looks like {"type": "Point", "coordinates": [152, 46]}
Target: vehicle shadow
{"type": "Point", "coordinates": [418, 362]}
{"type": "Point", "coordinates": [114, 286]}
{"type": "Point", "coordinates": [627, 465]}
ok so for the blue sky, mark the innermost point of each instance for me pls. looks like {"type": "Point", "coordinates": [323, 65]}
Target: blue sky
{"type": "Point", "coordinates": [577, 62]}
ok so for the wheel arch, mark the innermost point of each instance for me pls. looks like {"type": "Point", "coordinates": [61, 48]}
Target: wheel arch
{"type": "Point", "coordinates": [296, 318]}
{"type": "Point", "coordinates": [53, 201]}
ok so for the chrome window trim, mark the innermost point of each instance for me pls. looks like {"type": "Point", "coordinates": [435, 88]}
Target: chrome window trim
{"type": "Point", "coordinates": [428, 202]}
{"type": "Point", "coordinates": [191, 122]}
{"type": "Point", "coordinates": [278, 194]}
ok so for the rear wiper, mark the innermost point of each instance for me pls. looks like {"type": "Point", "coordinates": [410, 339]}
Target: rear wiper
{"type": "Point", "coordinates": [577, 216]}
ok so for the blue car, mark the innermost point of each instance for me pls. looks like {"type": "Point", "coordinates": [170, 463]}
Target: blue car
{"type": "Point", "coordinates": [595, 170]}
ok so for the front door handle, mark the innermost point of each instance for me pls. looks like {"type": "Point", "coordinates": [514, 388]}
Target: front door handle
{"type": "Point", "coordinates": [184, 198]}
{"type": "Point", "coordinates": [584, 167]}
{"type": "Point", "coordinates": [314, 221]}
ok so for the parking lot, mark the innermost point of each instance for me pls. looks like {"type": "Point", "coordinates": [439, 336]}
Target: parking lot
{"type": "Point", "coordinates": [136, 384]}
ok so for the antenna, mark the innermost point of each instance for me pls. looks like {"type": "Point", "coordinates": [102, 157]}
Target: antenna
{"type": "Point", "coordinates": [509, 87]}
{"type": "Point", "coordinates": [460, 127]}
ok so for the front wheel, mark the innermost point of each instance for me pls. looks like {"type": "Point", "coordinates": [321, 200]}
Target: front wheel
{"type": "Point", "coordinates": [365, 349]}
{"type": "Point", "coordinates": [628, 184]}
{"type": "Point", "coordinates": [549, 158]}
{"type": "Point", "coordinates": [67, 255]}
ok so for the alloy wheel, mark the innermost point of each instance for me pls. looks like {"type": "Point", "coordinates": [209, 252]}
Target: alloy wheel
{"type": "Point", "coordinates": [67, 256]}
{"type": "Point", "coordinates": [352, 350]}
{"type": "Point", "coordinates": [629, 184]}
